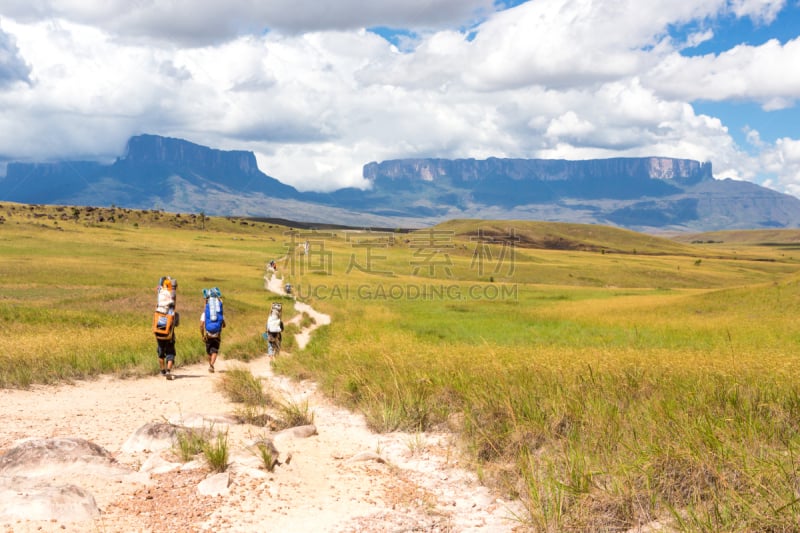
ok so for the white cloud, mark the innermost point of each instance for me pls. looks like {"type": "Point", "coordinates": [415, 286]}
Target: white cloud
{"type": "Point", "coordinates": [319, 96]}
{"type": "Point", "coordinates": [753, 138]}
{"type": "Point", "coordinates": [570, 126]}
{"type": "Point", "coordinates": [206, 22]}
{"type": "Point", "coordinates": [324, 167]}
{"type": "Point", "coordinates": [762, 11]}
{"type": "Point", "coordinates": [783, 160]}
{"type": "Point", "coordinates": [564, 43]}
{"type": "Point", "coordinates": [744, 72]}
{"type": "Point", "coordinates": [13, 68]}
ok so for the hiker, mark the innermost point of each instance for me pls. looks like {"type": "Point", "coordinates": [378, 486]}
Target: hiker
{"type": "Point", "coordinates": [274, 329]}
{"type": "Point", "coordinates": [165, 320]}
{"type": "Point", "coordinates": [212, 320]}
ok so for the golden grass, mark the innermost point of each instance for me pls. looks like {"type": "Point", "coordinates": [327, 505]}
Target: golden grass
{"type": "Point", "coordinates": [606, 390]}
{"type": "Point", "coordinates": [78, 300]}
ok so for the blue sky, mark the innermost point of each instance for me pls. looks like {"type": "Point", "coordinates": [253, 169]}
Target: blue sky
{"type": "Point", "coordinates": [316, 89]}
{"type": "Point", "coordinates": [742, 116]}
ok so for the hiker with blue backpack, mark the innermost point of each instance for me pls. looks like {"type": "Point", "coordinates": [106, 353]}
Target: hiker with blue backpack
{"type": "Point", "coordinates": [212, 320]}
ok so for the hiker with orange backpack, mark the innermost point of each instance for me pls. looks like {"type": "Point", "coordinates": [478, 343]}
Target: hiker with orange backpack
{"type": "Point", "coordinates": [165, 320]}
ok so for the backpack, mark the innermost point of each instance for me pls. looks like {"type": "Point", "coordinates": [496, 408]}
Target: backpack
{"type": "Point", "coordinates": [167, 287]}
{"type": "Point", "coordinates": [214, 315]}
{"type": "Point", "coordinates": [274, 323]}
{"type": "Point", "coordinates": [165, 319]}
{"type": "Point", "coordinates": [164, 324]}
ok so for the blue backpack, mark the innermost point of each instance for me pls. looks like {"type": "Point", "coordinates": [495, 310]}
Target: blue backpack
{"type": "Point", "coordinates": [214, 316]}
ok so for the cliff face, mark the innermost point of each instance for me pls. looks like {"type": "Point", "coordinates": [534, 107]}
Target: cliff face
{"type": "Point", "coordinates": [154, 171]}
{"type": "Point", "coordinates": [515, 182]}
{"type": "Point", "coordinates": [152, 149]}
{"type": "Point", "coordinates": [683, 171]}
{"type": "Point", "coordinates": [637, 193]}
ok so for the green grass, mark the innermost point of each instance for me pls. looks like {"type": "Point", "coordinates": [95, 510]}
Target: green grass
{"type": "Point", "coordinates": [190, 442]}
{"type": "Point", "coordinates": [241, 386]}
{"type": "Point", "coordinates": [216, 452]}
{"type": "Point", "coordinates": [617, 380]}
{"type": "Point", "coordinates": [293, 413]}
{"type": "Point", "coordinates": [604, 398]}
{"type": "Point", "coordinates": [78, 302]}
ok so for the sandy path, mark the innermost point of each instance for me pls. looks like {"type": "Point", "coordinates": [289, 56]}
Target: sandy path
{"type": "Point", "coordinates": [345, 478]}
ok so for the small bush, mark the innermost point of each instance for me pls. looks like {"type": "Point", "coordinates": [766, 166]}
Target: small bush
{"type": "Point", "coordinates": [216, 453]}
{"type": "Point", "coordinates": [241, 386]}
{"type": "Point", "coordinates": [190, 442]}
{"type": "Point", "coordinates": [254, 415]}
{"type": "Point", "coordinates": [293, 414]}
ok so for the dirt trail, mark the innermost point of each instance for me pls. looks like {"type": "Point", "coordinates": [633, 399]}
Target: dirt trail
{"type": "Point", "coordinates": [344, 478]}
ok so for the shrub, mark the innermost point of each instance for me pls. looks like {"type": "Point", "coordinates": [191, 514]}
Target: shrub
{"type": "Point", "coordinates": [241, 386]}
{"type": "Point", "coordinates": [216, 453]}
{"type": "Point", "coordinates": [190, 442]}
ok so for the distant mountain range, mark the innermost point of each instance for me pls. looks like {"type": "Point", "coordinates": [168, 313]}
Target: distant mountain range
{"type": "Point", "coordinates": [646, 193]}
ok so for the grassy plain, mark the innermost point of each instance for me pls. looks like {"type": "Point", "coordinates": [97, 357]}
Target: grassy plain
{"type": "Point", "coordinates": [608, 379]}
{"type": "Point", "coordinates": [77, 293]}
{"type": "Point", "coordinates": [608, 387]}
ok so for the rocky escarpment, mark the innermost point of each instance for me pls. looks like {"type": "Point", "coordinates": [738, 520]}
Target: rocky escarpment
{"type": "Point", "coordinates": [639, 193]}
{"type": "Point", "coordinates": [514, 182]}
{"type": "Point", "coordinates": [154, 172]}
{"type": "Point", "coordinates": [683, 171]}
{"type": "Point", "coordinates": [154, 149]}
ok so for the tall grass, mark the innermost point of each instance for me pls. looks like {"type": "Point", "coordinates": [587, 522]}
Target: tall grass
{"type": "Point", "coordinates": [191, 441]}
{"type": "Point", "coordinates": [603, 408]}
{"type": "Point", "coordinates": [217, 452]}
{"type": "Point", "coordinates": [241, 386]}
{"type": "Point", "coordinates": [606, 390]}
{"type": "Point", "coordinates": [78, 302]}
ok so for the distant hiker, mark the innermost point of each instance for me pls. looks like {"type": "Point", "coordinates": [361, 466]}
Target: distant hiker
{"type": "Point", "coordinates": [212, 320]}
{"type": "Point", "coordinates": [165, 320]}
{"type": "Point", "coordinates": [274, 329]}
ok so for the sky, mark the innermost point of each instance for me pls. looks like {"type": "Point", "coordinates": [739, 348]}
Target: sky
{"type": "Point", "coordinates": [318, 88]}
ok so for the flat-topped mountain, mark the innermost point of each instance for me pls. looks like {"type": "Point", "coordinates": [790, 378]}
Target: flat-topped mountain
{"type": "Point", "coordinates": [152, 149]}
{"type": "Point", "coordinates": [153, 172]}
{"type": "Point", "coordinates": [516, 182]}
{"type": "Point", "coordinates": [641, 193]}
{"type": "Point", "coordinates": [465, 171]}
